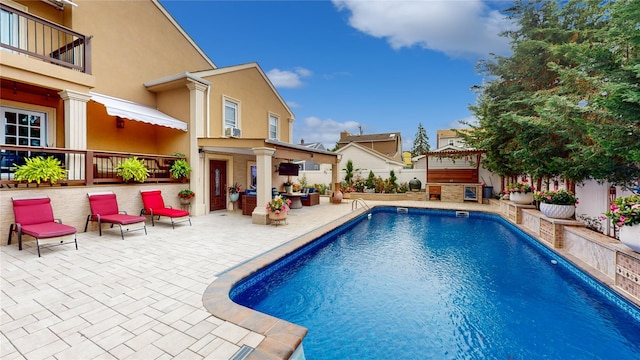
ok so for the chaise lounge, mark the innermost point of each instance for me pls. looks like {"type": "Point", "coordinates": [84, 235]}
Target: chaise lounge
{"type": "Point", "coordinates": [34, 217]}
{"type": "Point", "coordinates": [104, 209]}
{"type": "Point", "coordinates": [154, 206]}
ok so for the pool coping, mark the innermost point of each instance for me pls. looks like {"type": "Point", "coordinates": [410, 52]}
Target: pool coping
{"type": "Point", "coordinates": [281, 338]}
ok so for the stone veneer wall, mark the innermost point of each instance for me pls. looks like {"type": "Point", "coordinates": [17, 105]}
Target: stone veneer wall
{"type": "Point", "coordinates": [611, 261]}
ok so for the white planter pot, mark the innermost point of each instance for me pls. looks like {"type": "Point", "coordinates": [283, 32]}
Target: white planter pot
{"type": "Point", "coordinates": [630, 236]}
{"type": "Point", "coordinates": [521, 198]}
{"type": "Point", "coordinates": [557, 211]}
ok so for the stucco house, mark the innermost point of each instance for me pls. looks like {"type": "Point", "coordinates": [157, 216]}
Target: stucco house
{"type": "Point", "coordinates": [389, 144]}
{"type": "Point", "coordinates": [74, 86]}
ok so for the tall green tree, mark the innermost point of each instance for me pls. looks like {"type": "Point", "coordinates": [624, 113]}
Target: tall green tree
{"type": "Point", "coordinates": [566, 102]}
{"type": "Point", "coordinates": [420, 142]}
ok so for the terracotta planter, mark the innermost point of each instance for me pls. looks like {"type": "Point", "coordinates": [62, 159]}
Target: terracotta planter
{"type": "Point", "coordinates": [557, 211]}
{"type": "Point", "coordinates": [278, 218]}
{"type": "Point", "coordinates": [185, 201]}
{"type": "Point", "coordinates": [630, 236]}
{"type": "Point", "coordinates": [336, 197]}
{"type": "Point", "coordinates": [521, 198]}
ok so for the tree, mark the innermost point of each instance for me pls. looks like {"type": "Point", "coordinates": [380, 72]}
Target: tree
{"type": "Point", "coordinates": [421, 142]}
{"type": "Point", "coordinates": [566, 102]}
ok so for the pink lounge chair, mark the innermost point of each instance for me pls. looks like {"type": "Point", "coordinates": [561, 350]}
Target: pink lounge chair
{"type": "Point", "coordinates": [34, 217]}
{"type": "Point", "coordinates": [104, 209]}
{"type": "Point", "coordinates": [154, 206]}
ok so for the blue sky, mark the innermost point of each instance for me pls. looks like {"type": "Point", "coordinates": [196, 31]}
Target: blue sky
{"type": "Point", "coordinates": [382, 66]}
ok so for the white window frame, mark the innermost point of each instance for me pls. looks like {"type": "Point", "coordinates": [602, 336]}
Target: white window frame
{"type": "Point", "coordinates": [236, 103]}
{"type": "Point", "coordinates": [274, 121]}
{"type": "Point", "coordinates": [48, 127]}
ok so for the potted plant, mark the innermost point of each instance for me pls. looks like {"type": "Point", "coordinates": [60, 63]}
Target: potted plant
{"type": "Point", "coordinates": [132, 169]}
{"type": "Point", "coordinates": [278, 208]}
{"type": "Point", "coordinates": [180, 169]}
{"type": "Point", "coordinates": [557, 204]}
{"type": "Point", "coordinates": [625, 213]}
{"type": "Point", "coordinates": [185, 196]}
{"type": "Point", "coordinates": [234, 192]}
{"type": "Point", "coordinates": [287, 186]}
{"type": "Point", "coordinates": [520, 192]}
{"type": "Point", "coordinates": [40, 169]}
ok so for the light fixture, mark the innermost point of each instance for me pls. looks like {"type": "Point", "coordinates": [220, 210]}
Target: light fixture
{"type": "Point", "coordinates": [119, 122]}
{"type": "Point", "coordinates": [201, 153]}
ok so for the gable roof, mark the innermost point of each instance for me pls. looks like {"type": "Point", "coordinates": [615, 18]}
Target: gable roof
{"type": "Point", "coordinates": [347, 138]}
{"type": "Point", "coordinates": [252, 65]}
{"type": "Point", "coordinates": [372, 152]}
{"type": "Point", "coordinates": [184, 33]}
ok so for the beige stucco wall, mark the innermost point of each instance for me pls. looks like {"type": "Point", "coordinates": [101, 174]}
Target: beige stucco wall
{"type": "Point", "coordinates": [133, 43]}
{"type": "Point", "coordinates": [256, 98]}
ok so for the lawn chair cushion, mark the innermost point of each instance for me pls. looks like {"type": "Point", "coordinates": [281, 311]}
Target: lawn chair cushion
{"type": "Point", "coordinates": [173, 213]}
{"type": "Point", "coordinates": [103, 204]}
{"type": "Point", "coordinates": [32, 211]}
{"type": "Point", "coordinates": [122, 219]}
{"type": "Point", "coordinates": [152, 199]}
{"type": "Point", "coordinates": [48, 230]}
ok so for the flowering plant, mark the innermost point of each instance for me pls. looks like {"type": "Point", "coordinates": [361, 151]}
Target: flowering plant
{"type": "Point", "coordinates": [234, 189]}
{"type": "Point", "coordinates": [519, 187]}
{"type": "Point", "coordinates": [557, 197]}
{"type": "Point", "coordinates": [278, 204]}
{"type": "Point", "coordinates": [186, 194]}
{"type": "Point", "coordinates": [625, 211]}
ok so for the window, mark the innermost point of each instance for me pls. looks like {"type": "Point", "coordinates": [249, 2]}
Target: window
{"type": "Point", "coordinates": [451, 142]}
{"type": "Point", "coordinates": [230, 114]}
{"type": "Point", "coordinates": [11, 25]}
{"type": "Point", "coordinates": [9, 28]}
{"type": "Point", "coordinates": [273, 127]}
{"type": "Point", "coordinates": [23, 127]}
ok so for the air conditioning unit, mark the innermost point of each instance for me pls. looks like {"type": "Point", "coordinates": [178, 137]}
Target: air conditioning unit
{"type": "Point", "coordinates": [232, 132]}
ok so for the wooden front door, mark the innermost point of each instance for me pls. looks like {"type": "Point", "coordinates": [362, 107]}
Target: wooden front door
{"type": "Point", "coordinates": [218, 185]}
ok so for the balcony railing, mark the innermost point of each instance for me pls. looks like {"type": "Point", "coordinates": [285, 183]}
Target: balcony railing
{"type": "Point", "coordinates": [35, 37]}
{"type": "Point", "coordinates": [101, 165]}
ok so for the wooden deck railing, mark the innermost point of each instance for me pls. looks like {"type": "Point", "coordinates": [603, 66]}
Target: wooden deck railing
{"type": "Point", "coordinates": [85, 167]}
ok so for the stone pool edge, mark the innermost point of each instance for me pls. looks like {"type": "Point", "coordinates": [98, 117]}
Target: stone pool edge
{"type": "Point", "coordinates": [281, 338]}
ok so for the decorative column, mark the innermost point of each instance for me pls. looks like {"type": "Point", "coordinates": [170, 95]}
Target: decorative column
{"type": "Point", "coordinates": [263, 163]}
{"type": "Point", "coordinates": [75, 130]}
{"type": "Point", "coordinates": [197, 123]}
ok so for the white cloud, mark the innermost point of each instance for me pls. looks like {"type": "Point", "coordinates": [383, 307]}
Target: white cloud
{"type": "Point", "coordinates": [327, 132]}
{"type": "Point", "coordinates": [288, 79]}
{"type": "Point", "coordinates": [293, 105]}
{"type": "Point", "coordinates": [456, 28]}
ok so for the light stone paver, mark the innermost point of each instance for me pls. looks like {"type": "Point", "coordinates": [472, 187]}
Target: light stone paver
{"type": "Point", "coordinates": [141, 297]}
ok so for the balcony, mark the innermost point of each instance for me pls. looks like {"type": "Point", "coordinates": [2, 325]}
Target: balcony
{"type": "Point", "coordinates": [101, 165]}
{"type": "Point", "coordinates": [37, 38]}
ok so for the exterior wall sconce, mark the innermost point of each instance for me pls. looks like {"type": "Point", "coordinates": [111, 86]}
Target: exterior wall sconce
{"type": "Point", "coordinates": [201, 153]}
{"type": "Point", "coordinates": [119, 122]}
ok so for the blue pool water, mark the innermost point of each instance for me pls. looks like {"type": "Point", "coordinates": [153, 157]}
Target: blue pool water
{"type": "Point", "coordinates": [429, 285]}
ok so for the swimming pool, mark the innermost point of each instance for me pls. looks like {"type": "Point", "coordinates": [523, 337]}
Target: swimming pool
{"type": "Point", "coordinates": [427, 284]}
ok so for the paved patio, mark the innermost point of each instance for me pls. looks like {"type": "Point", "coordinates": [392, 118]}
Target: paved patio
{"type": "Point", "coordinates": [141, 298]}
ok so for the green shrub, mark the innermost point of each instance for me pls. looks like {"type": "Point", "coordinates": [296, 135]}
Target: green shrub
{"type": "Point", "coordinates": [40, 169]}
